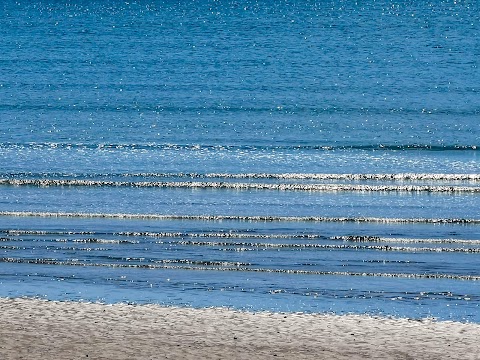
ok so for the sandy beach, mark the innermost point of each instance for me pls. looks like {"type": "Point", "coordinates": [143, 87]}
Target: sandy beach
{"type": "Point", "coordinates": [37, 329]}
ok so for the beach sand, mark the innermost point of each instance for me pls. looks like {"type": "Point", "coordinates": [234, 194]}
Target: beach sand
{"type": "Point", "coordinates": [37, 329]}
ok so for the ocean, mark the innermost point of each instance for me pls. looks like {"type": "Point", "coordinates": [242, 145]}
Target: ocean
{"type": "Point", "coordinates": [292, 156]}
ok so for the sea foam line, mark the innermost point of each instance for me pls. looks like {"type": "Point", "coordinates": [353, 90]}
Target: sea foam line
{"type": "Point", "coordinates": [316, 176]}
{"type": "Point", "coordinates": [251, 218]}
{"type": "Point", "coordinates": [330, 247]}
{"type": "Point", "coordinates": [235, 235]}
{"type": "Point", "coordinates": [13, 235]}
{"type": "Point", "coordinates": [245, 246]}
{"type": "Point", "coordinates": [17, 232]}
{"type": "Point", "coordinates": [241, 186]}
{"type": "Point", "coordinates": [279, 176]}
{"type": "Point", "coordinates": [240, 269]}
{"type": "Point", "coordinates": [363, 238]}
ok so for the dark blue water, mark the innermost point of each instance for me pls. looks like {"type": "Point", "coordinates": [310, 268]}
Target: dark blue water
{"type": "Point", "coordinates": [286, 156]}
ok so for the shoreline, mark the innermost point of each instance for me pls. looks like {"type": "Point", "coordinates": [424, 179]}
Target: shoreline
{"type": "Point", "coordinates": [39, 329]}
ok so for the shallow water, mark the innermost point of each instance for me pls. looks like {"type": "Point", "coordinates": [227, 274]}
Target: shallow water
{"type": "Point", "coordinates": [293, 156]}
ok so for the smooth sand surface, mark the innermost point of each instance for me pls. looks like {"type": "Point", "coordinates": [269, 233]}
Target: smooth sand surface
{"type": "Point", "coordinates": [36, 329]}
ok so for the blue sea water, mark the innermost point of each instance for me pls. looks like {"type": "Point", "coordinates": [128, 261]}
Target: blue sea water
{"type": "Point", "coordinates": [315, 156]}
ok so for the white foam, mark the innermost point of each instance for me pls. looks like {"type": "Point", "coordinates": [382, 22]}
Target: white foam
{"type": "Point", "coordinates": [362, 238]}
{"type": "Point", "coordinates": [251, 218]}
{"type": "Point", "coordinates": [241, 268]}
{"type": "Point", "coordinates": [243, 186]}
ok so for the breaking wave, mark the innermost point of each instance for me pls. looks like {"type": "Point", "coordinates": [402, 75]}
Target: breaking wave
{"type": "Point", "coordinates": [242, 186]}
{"type": "Point", "coordinates": [251, 218]}
{"type": "Point", "coordinates": [331, 247]}
{"type": "Point", "coordinates": [273, 176]}
{"type": "Point", "coordinates": [239, 268]}
{"type": "Point", "coordinates": [16, 236]}
{"type": "Point", "coordinates": [361, 238]}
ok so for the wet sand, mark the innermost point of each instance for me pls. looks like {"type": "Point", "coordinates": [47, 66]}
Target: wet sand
{"type": "Point", "coordinates": [37, 329]}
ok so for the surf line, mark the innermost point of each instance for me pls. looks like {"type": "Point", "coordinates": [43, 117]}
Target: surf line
{"type": "Point", "coordinates": [15, 233]}
{"type": "Point", "coordinates": [252, 245]}
{"type": "Point", "coordinates": [252, 218]}
{"type": "Point", "coordinates": [240, 269]}
{"type": "Point", "coordinates": [317, 176]}
{"type": "Point", "coordinates": [241, 186]}
{"type": "Point", "coordinates": [278, 176]}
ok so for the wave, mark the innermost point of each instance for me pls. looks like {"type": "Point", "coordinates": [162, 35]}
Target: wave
{"type": "Point", "coordinates": [242, 186]}
{"type": "Point", "coordinates": [329, 247]}
{"type": "Point", "coordinates": [362, 238]}
{"type": "Point", "coordinates": [247, 218]}
{"type": "Point", "coordinates": [104, 241]}
{"type": "Point", "coordinates": [209, 147]}
{"type": "Point", "coordinates": [162, 234]}
{"type": "Point", "coordinates": [219, 109]}
{"type": "Point", "coordinates": [247, 246]}
{"type": "Point", "coordinates": [17, 232]}
{"type": "Point", "coordinates": [219, 235]}
{"type": "Point", "coordinates": [239, 268]}
{"type": "Point", "coordinates": [84, 241]}
{"type": "Point", "coordinates": [199, 262]}
{"type": "Point", "coordinates": [273, 176]}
